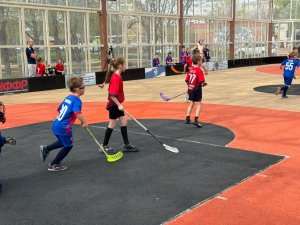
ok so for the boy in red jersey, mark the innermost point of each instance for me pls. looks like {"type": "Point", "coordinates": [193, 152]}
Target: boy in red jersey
{"type": "Point", "coordinates": [116, 110]}
{"type": "Point", "coordinates": [189, 64]}
{"type": "Point", "coordinates": [40, 69]}
{"type": "Point", "coordinates": [195, 81]}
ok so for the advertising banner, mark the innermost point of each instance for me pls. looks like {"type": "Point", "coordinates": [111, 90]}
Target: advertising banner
{"type": "Point", "coordinates": [89, 78]}
{"type": "Point", "coordinates": [155, 72]}
{"type": "Point", "coordinates": [219, 65]}
{"type": "Point", "coordinates": [12, 86]}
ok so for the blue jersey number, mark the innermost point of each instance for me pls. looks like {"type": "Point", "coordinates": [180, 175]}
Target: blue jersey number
{"type": "Point", "coordinates": [289, 66]}
{"type": "Point", "coordinates": [62, 112]}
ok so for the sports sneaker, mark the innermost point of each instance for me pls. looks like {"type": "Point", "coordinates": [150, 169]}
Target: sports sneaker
{"type": "Point", "coordinates": [284, 97]}
{"type": "Point", "coordinates": [187, 121]}
{"type": "Point", "coordinates": [43, 152]}
{"type": "Point", "coordinates": [278, 90]}
{"type": "Point", "coordinates": [130, 148]}
{"type": "Point", "coordinates": [197, 124]}
{"type": "Point", "coordinates": [11, 140]}
{"type": "Point", "coordinates": [107, 149]}
{"type": "Point", "coordinates": [56, 168]}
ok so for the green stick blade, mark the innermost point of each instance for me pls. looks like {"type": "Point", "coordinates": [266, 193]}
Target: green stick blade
{"type": "Point", "coordinates": [114, 157]}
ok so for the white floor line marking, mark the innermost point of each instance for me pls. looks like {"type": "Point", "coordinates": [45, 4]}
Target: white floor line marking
{"type": "Point", "coordinates": [168, 138]}
{"type": "Point", "coordinates": [205, 201]}
{"type": "Point", "coordinates": [262, 175]}
{"type": "Point", "coordinates": [222, 198]}
{"type": "Point", "coordinates": [190, 141]}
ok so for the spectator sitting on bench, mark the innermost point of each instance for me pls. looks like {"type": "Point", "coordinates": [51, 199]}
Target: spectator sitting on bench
{"type": "Point", "coordinates": [40, 69]}
{"type": "Point", "coordinates": [169, 60]}
{"type": "Point", "coordinates": [155, 61]}
{"type": "Point", "coordinates": [59, 67]}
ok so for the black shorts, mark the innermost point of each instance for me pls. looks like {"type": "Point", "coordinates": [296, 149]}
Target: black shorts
{"type": "Point", "coordinates": [115, 113]}
{"type": "Point", "coordinates": [195, 95]}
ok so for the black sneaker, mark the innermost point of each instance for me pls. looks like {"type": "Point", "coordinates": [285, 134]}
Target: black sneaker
{"type": "Point", "coordinates": [56, 168]}
{"type": "Point", "coordinates": [107, 149]}
{"type": "Point", "coordinates": [197, 124]}
{"type": "Point", "coordinates": [284, 97]}
{"type": "Point", "coordinates": [130, 148]}
{"type": "Point", "coordinates": [43, 152]}
{"type": "Point", "coordinates": [11, 140]}
{"type": "Point", "coordinates": [187, 120]}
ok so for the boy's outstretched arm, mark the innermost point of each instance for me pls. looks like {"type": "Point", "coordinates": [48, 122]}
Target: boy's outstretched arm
{"type": "Point", "coordinates": [84, 124]}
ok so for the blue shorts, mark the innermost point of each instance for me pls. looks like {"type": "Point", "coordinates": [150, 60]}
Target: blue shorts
{"type": "Point", "coordinates": [65, 140]}
{"type": "Point", "coordinates": [288, 80]}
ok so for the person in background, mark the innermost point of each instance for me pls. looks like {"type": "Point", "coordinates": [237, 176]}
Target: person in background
{"type": "Point", "coordinates": [289, 66]}
{"type": "Point", "coordinates": [295, 55]}
{"type": "Point", "coordinates": [169, 60]}
{"type": "Point", "coordinates": [188, 53]}
{"type": "Point", "coordinates": [200, 46]}
{"type": "Point", "coordinates": [183, 56]}
{"type": "Point", "coordinates": [4, 140]}
{"type": "Point", "coordinates": [49, 69]}
{"type": "Point", "coordinates": [206, 53]}
{"type": "Point", "coordinates": [155, 61]}
{"type": "Point", "coordinates": [31, 57]}
{"type": "Point", "coordinates": [41, 69]}
{"type": "Point", "coordinates": [59, 67]}
{"type": "Point", "coordinates": [294, 52]}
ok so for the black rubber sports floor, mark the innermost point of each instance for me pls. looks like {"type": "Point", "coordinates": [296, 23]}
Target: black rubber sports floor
{"type": "Point", "coordinates": [145, 188]}
{"type": "Point", "coordinates": [294, 90]}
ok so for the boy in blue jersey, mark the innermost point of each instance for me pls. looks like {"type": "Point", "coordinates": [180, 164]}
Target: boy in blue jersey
{"type": "Point", "coordinates": [4, 140]}
{"type": "Point", "coordinates": [69, 110]}
{"type": "Point", "coordinates": [155, 61]}
{"type": "Point", "coordinates": [289, 74]}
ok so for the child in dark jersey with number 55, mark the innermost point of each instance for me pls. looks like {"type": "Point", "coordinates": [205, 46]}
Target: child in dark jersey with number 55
{"type": "Point", "coordinates": [69, 110]}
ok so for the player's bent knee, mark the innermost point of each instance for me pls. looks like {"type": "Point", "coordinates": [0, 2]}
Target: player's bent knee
{"type": "Point", "coordinates": [112, 124]}
{"type": "Point", "coordinates": [123, 121]}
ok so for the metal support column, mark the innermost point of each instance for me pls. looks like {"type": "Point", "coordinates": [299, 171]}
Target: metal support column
{"type": "Point", "coordinates": [103, 33]}
{"type": "Point", "coordinates": [232, 30]}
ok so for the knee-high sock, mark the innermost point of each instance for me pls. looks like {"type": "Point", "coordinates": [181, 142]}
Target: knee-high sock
{"type": "Point", "coordinates": [108, 133]}
{"type": "Point", "coordinates": [284, 89]}
{"type": "Point", "coordinates": [61, 155]}
{"type": "Point", "coordinates": [125, 135]}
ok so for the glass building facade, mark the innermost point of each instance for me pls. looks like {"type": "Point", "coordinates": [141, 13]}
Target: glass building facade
{"type": "Point", "coordinates": [137, 29]}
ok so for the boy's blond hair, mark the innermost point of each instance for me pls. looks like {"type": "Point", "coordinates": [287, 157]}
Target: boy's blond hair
{"type": "Point", "coordinates": [196, 59]}
{"type": "Point", "coordinates": [74, 83]}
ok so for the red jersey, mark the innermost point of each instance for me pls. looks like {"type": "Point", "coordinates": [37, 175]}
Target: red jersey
{"type": "Point", "coordinates": [189, 62]}
{"type": "Point", "coordinates": [59, 67]}
{"type": "Point", "coordinates": [40, 70]}
{"type": "Point", "coordinates": [115, 89]}
{"type": "Point", "coordinates": [195, 77]}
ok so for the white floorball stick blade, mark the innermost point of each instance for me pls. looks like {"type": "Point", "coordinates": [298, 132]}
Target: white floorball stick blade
{"type": "Point", "coordinates": [171, 149]}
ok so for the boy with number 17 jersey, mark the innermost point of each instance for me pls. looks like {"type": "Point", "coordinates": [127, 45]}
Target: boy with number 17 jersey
{"type": "Point", "coordinates": [289, 74]}
{"type": "Point", "coordinates": [195, 81]}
